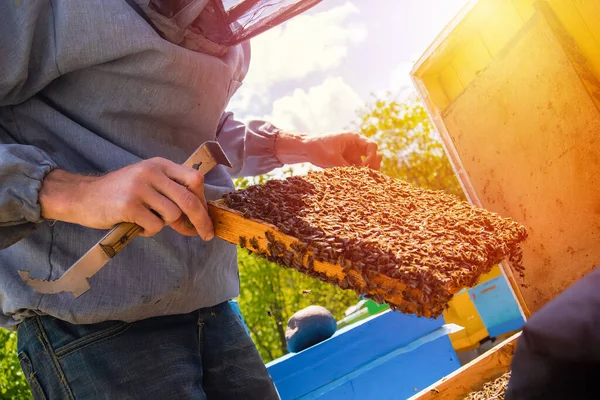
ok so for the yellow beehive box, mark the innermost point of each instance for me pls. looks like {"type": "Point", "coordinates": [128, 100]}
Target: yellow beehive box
{"type": "Point", "coordinates": [462, 311]}
{"type": "Point", "coordinates": [513, 88]}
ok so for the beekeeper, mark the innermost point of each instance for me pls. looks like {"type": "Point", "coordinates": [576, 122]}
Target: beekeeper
{"type": "Point", "coordinates": [100, 103]}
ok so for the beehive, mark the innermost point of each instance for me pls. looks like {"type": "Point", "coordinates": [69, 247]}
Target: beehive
{"type": "Point", "coordinates": [513, 88]}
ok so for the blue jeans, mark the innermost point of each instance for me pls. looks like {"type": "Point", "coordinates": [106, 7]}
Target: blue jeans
{"type": "Point", "coordinates": [205, 354]}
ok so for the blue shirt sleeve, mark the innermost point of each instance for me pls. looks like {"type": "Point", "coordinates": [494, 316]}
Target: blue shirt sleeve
{"type": "Point", "coordinates": [22, 169]}
{"type": "Point", "coordinates": [250, 148]}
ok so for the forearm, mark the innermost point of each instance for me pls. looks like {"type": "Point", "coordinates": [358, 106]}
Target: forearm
{"type": "Point", "coordinates": [152, 193]}
{"type": "Point", "coordinates": [290, 149]}
{"type": "Point", "coordinates": [60, 193]}
{"type": "Point", "coordinates": [259, 147]}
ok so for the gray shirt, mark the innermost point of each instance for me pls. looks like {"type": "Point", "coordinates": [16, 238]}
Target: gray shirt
{"type": "Point", "coordinates": [90, 87]}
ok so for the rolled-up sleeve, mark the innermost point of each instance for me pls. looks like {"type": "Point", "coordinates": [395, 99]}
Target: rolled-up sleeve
{"type": "Point", "coordinates": [22, 169]}
{"type": "Point", "coordinates": [250, 147]}
{"type": "Point", "coordinates": [27, 65]}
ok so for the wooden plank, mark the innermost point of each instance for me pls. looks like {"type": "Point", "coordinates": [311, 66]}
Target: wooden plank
{"type": "Point", "coordinates": [473, 375]}
{"type": "Point", "coordinates": [230, 225]}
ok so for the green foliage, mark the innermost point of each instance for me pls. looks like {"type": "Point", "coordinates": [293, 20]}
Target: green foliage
{"type": "Point", "coordinates": [13, 385]}
{"type": "Point", "coordinates": [411, 147]}
{"type": "Point", "coordinates": [270, 295]}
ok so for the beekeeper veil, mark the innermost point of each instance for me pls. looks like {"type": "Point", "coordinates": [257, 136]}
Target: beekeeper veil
{"type": "Point", "coordinates": [213, 26]}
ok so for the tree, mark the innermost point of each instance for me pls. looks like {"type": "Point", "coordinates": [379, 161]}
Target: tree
{"type": "Point", "coordinates": [270, 295]}
{"type": "Point", "coordinates": [411, 147]}
{"type": "Point", "coordinates": [13, 385]}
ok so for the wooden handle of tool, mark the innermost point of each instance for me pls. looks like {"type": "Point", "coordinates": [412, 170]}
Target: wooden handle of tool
{"type": "Point", "coordinates": [118, 237]}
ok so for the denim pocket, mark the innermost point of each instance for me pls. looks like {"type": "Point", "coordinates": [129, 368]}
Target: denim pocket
{"type": "Point", "coordinates": [87, 335]}
{"type": "Point", "coordinates": [34, 385]}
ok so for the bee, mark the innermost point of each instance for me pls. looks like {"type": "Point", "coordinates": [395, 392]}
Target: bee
{"type": "Point", "coordinates": [242, 241]}
{"type": "Point", "coordinates": [269, 314]}
{"type": "Point", "coordinates": [310, 262]}
{"type": "Point", "coordinates": [306, 291]}
{"type": "Point", "coordinates": [270, 236]}
{"type": "Point", "coordinates": [254, 242]}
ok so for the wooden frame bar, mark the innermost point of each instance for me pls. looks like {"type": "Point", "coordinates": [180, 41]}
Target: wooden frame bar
{"type": "Point", "coordinates": [230, 225]}
{"type": "Point", "coordinates": [471, 376]}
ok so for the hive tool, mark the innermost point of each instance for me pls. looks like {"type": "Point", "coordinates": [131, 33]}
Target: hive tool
{"type": "Point", "coordinates": [75, 279]}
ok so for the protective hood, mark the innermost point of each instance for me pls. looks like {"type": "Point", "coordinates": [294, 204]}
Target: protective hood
{"type": "Point", "coordinates": [213, 26]}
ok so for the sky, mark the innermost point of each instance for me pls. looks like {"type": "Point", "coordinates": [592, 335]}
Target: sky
{"type": "Point", "coordinates": [314, 72]}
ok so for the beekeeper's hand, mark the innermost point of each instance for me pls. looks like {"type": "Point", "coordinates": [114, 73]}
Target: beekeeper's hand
{"type": "Point", "coordinates": [328, 150]}
{"type": "Point", "coordinates": [129, 194]}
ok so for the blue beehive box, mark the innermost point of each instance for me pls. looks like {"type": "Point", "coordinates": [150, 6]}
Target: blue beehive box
{"type": "Point", "coordinates": [496, 306]}
{"type": "Point", "coordinates": [387, 356]}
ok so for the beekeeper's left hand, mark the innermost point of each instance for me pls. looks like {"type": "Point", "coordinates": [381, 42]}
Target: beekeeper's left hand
{"type": "Point", "coordinates": [328, 150]}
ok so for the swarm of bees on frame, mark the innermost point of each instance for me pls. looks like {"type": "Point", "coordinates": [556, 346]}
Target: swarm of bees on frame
{"type": "Point", "coordinates": [374, 225]}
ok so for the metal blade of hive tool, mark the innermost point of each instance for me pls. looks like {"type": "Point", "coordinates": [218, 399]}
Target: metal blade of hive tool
{"type": "Point", "coordinates": [75, 279]}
